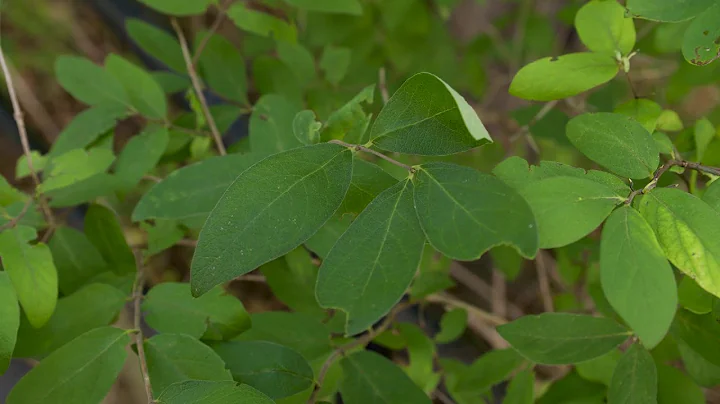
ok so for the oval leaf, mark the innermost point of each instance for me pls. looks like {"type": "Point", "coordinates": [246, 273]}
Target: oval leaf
{"type": "Point", "coordinates": [554, 78]}
{"type": "Point", "coordinates": [616, 142]}
{"type": "Point", "coordinates": [9, 321]}
{"type": "Point", "coordinates": [372, 264]}
{"type": "Point", "coordinates": [271, 125]}
{"type": "Point", "coordinates": [636, 277]}
{"type": "Point", "coordinates": [668, 10]}
{"type": "Point", "coordinates": [223, 68]}
{"type": "Point", "coordinates": [521, 389]}
{"type": "Point", "coordinates": [212, 392]}
{"type": "Point", "coordinates": [701, 333]}
{"type": "Point", "coordinates": [80, 372]}
{"type": "Point", "coordinates": [465, 212]}
{"type": "Point", "coordinates": [144, 93]}
{"type": "Point", "coordinates": [562, 338]}
{"type": "Point", "coordinates": [603, 27]}
{"type": "Point", "coordinates": [271, 208]}
{"type": "Point", "coordinates": [157, 43]}
{"type": "Point", "coordinates": [140, 155]}
{"type": "Point", "coordinates": [88, 82]}
{"type": "Point", "coordinates": [426, 116]}
{"type": "Point", "coordinates": [76, 258]}
{"type": "Point", "coordinates": [634, 380]}
{"type": "Point", "coordinates": [701, 42]}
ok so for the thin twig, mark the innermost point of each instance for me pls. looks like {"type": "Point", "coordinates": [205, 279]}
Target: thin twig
{"type": "Point", "coordinates": [382, 83]}
{"type": "Point", "coordinates": [187, 243]}
{"type": "Point", "coordinates": [252, 278]}
{"type": "Point", "coordinates": [213, 28]}
{"type": "Point", "coordinates": [544, 283]}
{"type": "Point", "coordinates": [499, 298]}
{"type": "Point", "coordinates": [664, 168]}
{"type": "Point", "coordinates": [367, 150]}
{"type": "Point", "coordinates": [448, 300]}
{"type": "Point", "coordinates": [538, 116]}
{"type": "Point", "coordinates": [137, 324]}
{"type": "Point", "coordinates": [198, 87]}
{"type": "Point", "coordinates": [14, 221]}
{"type": "Point", "coordinates": [478, 286]}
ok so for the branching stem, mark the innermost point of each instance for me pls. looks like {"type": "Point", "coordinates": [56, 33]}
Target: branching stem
{"type": "Point", "coordinates": [664, 168]}
{"type": "Point", "coordinates": [376, 153]}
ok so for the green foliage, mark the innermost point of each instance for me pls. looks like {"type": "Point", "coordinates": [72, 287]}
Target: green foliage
{"type": "Point", "coordinates": [635, 378]}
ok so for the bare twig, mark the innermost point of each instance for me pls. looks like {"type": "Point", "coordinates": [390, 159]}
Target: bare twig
{"type": "Point", "coordinates": [499, 298]}
{"type": "Point", "coordinates": [137, 324]}
{"type": "Point", "coordinates": [187, 243]}
{"type": "Point", "coordinates": [14, 221]}
{"type": "Point", "coordinates": [448, 300]}
{"type": "Point", "coordinates": [479, 286]}
{"type": "Point", "coordinates": [371, 151]}
{"type": "Point", "coordinates": [198, 87]}
{"type": "Point", "coordinates": [664, 168]}
{"type": "Point", "coordinates": [544, 283]}
{"type": "Point", "coordinates": [252, 278]}
{"type": "Point", "coordinates": [382, 83]}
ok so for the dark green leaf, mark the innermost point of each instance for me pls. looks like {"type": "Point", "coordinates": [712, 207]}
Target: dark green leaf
{"type": "Point", "coordinates": [292, 280]}
{"type": "Point", "coordinates": [323, 241]}
{"type": "Point", "coordinates": [271, 76]}
{"type": "Point", "coordinates": [645, 111]}
{"type": "Point", "coordinates": [271, 125]}
{"type": "Point", "coordinates": [694, 298]}
{"type": "Point", "coordinates": [157, 43]}
{"type": "Point", "coordinates": [301, 60]}
{"type": "Point", "coordinates": [426, 116]}
{"type": "Point", "coordinates": [83, 371]}
{"type": "Point", "coordinates": [561, 338]}
{"type": "Point", "coordinates": [262, 24]}
{"type": "Point", "coordinates": [170, 82]}
{"type": "Point", "coordinates": [88, 82]}
{"type": "Point", "coordinates": [703, 372]}
{"type": "Point", "coordinates": [351, 7]}
{"type": "Point", "coordinates": [635, 378]}
{"type": "Point", "coordinates": [105, 233]}
{"type": "Point", "coordinates": [712, 195]}
{"type": "Point", "coordinates": [145, 94]}
{"type": "Point", "coordinates": [446, 197]}
{"type": "Point", "coordinates": [675, 387]}
{"type": "Point", "coordinates": [9, 320]}
{"type": "Point", "coordinates": [270, 209]}
{"type": "Point", "coordinates": [86, 127]}
{"type": "Point", "coordinates": [179, 7]}
{"type": "Point", "coordinates": [521, 389]}
{"type": "Point", "coordinates": [433, 274]}
{"type": "Point", "coordinates": [161, 236]}
{"type": "Point", "coordinates": [452, 326]}
{"type": "Point", "coordinates": [668, 10]}
{"type": "Point", "coordinates": [700, 333]}
{"type": "Point", "coordinates": [212, 392]}
{"type": "Point", "coordinates": [380, 251]}
{"type": "Point", "coordinates": [603, 27]}
{"type": "Point", "coordinates": [421, 351]}
{"type": "Point", "coordinates": [487, 371]}
{"type": "Point", "coordinates": [273, 369]}
{"type": "Point", "coordinates": [573, 389]}
{"type": "Point", "coordinates": [140, 155]}
{"type": "Point", "coordinates": [173, 358]}
{"type": "Point", "coordinates": [82, 191]}
{"type": "Point", "coordinates": [224, 69]}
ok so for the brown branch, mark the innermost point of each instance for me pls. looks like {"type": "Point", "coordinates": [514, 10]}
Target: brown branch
{"type": "Point", "coordinates": [544, 282]}
{"type": "Point", "coordinates": [367, 150]}
{"type": "Point", "coordinates": [448, 300]}
{"type": "Point", "coordinates": [664, 168]}
{"type": "Point", "coordinates": [499, 296]}
{"type": "Point", "coordinates": [137, 324]}
{"type": "Point", "coordinates": [198, 87]}
{"type": "Point", "coordinates": [382, 83]}
{"type": "Point", "coordinates": [478, 286]}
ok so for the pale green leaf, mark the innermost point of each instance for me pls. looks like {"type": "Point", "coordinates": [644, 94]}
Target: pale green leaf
{"type": "Point", "coordinates": [701, 333]}
{"type": "Point", "coordinates": [292, 279]}
{"type": "Point", "coordinates": [601, 368]}
{"type": "Point", "coordinates": [452, 326]}
{"type": "Point", "coordinates": [421, 351]}
{"type": "Point", "coordinates": [668, 10]}
{"type": "Point", "coordinates": [350, 122]}
{"type": "Point", "coordinates": [675, 387]}
{"type": "Point", "coordinates": [81, 372]}
{"type": "Point", "coordinates": [507, 260]}
{"type": "Point", "coordinates": [446, 197]}
{"type": "Point", "coordinates": [488, 370]}
{"type": "Point", "coordinates": [140, 155]}
{"type": "Point", "coordinates": [701, 42]}
{"type": "Point", "coordinates": [381, 251]}
{"type": "Point", "coordinates": [145, 94]}
{"type": "Point", "coordinates": [370, 378]}
{"type": "Point", "coordinates": [558, 77]}
{"type": "Point", "coordinates": [426, 116]}
{"type": "Point", "coordinates": [262, 24]}
{"type": "Point", "coordinates": [75, 166]}
{"type": "Point", "coordinates": [85, 190]}
{"type": "Point", "coordinates": [618, 143]}
{"type": "Point", "coordinates": [211, 392]}
{"type": "Point", "coordinates": [157, 43]}
{"type": "Point", "coordinates": [88, 82]}
{"type": "Point", "coordinates": [9, 320]}
{"type": "Point", "coordinates": [694, 298]}
{"type": "Point", "coordinates": [521, 389]}
{"type": "Point", "coordinates": [103, 229]}
{"type": "Point", "coordinates": [271, 125]}
{"type": "Point", "coordinates": [32, 272]}
{"type": "Point", "coordinates": [179, 7]}
{"type": "Point", "coordinates": [273, 369]}
{"type": "Point", "coordinates": [352, 7]}
{"type": "Point", "coordinates": [562, 338]}
{"type": "Point", "coordinates": [669, 120]}
{"type": "Point", "coordinates": [192, 191]}
{"type": "Point", "coordinates": [32, 217]}
{"type": "Point", "coordinates": [86, 127]}
{"type": "Point", "coordinates": [636, 277]}
{"type": "Point", "coordinates": [664, 144]}
{"type": "Point", "coordinates": [9, 195]}
{"type": "Point", "coordinates": [603, 27]}
{"type": "Point", "coordinates": [305, 128]}
{"type": "Point", "coordinates": [635, 378]}
{"type": "Point", "coordinates": [223, 68]}
{"type": "Point", "coordinates": [269, 210]}
{"type": "Point", "coordinates": [335, 62]}
{"type": "Point", "coordinates": [217, 315]}
{"type": "Point", "coordinates": [688, 230]}
{"type": "Point", "coordinates": [567, 208]}
{"type": "Point", "coordinates": [704, 132]}
{"type": "Point", "coordinates": [645, 111]}
{"type": "Point", "coordinates": [95, 305]}
{"type": "Point", "coordinates": [173, 358]}
{"type": "Point", "coordinates": [22, 168]}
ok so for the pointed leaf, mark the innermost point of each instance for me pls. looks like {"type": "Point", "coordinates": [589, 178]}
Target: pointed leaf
{"type": "Point", "coordinates": [561, 338]}
{"type": "Point", "coordinates": [521, 389]}
{"type": "Point", "coordinates": [88, 82]}
{"type": "Point", "coordinates": [370, 378]}
{"type": "Point", "coordinates": [9, 320]}
{"type": "Point", "coordinates": [488, 370]}
{"type": "Point", "coordinates": [75, 166]}
{"type": "Point", "coordinates": [86, 127]}
{"type": "Point", "coordinates": [293, 194]}
{"type": "Point", "coordinates": [636, 277]}
{"type": "Point", "coordinates": [262, 24]}
{"type": "Point", "coordinates": [667, 10]}
{"type": "Point", "coordinates": [635, 378]}
{"type": "Point", "coordinates": [701, 42]}
{"type": "Point", "coordinates": [292, 279]}
{"type": "Point", "coordinates": [32, 272]}
{"type": "Point", "coordinates": [144, 93]}
{"type": "Point", "coordinates": [452, 326]}
{"type": "Point", "coordinates": [212, 392]}
{"type": "Point", "coordinates": [157, 43]}
{"type": "Point", "coordinates": [603, 27]}
{"type": "Point", "coordinates": [223, 68]}
{"type": "Point", "coordinates": [179, 7]}
{"type": "Point", "coordinates": [140, 155]}
{"type": "Point", "coordinates": [426, 116]}
{"type": "Point", "coordinates": [310, 337]}
{"type": "Point", "coordinates": [711, 196]}
{"type": "Point", "coordinates": [271, 125]}
{"type": "Point", "coordinates": [104, 231]}
{"type": "Point", "coordinates": [645, 111]}
{"type": "Point", "coordinates": [83, 371]}
{"type": "Point", "coordinates": [688, 230]}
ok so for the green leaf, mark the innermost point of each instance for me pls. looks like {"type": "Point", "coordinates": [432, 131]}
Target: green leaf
{"type": "Point", "coordinates": [350, 122]}
{"type": "Point", "coordinates": [10, 195]}
{"type": "Point", "coordinates": [173, 358]}
{"type": "Point", "coordinates": [157, 43]}
{"type": "Point", "coordinates": [688, 231]}
{"type": "Point", "coordinates": [352, 7]}
{"type": "Point", "coordinates": [380, 251]}
{"type": "Point", "coordinates": [83, 371]}
{"type": "Point", "coordinates": [262, 24]}
{"type": "Point", "coordinates": [635, 378]}
{"type": "Point", "coordinates": [507, 260]}
{"type": "Point", "coordinates": [490, 369]}
{"type": "Point", "coordinates": [9, 320]}
{"type": "Point", "coordinates": [271, 76]}
{"type": "Point", "coordinates": [663, 143]}
{"type": "Point", "coordinates": [616, 142]}
{"type": "Point", "coordinates": [105, 233]}
{"type": "Point", "coordinates": [701, 42]}
{"type": "Point", "coordinates": [212, 392]}
{"type": "Point", "coordinates": [161, 236]}
{"type": "Point", "coordinates": [668, 10]}
{"type": "Point", "coordinates": [273, 369]}
{"type": "Point", "coordinates": [270, 209]}
{"type": "Point", "coordinates": [140, 155]}
{"type": "Point", "coordinates": [446, 197]}
{"type": "Point", "coordinates": [694, 298]}
{"type": "Point", "coordinates": [433, 275]}
{"type": "Point", "coordinates": [301, 60]}
{"type": "Point", "coordinates": [223, 68]}
{"type": "Point", "coordinates": [703, 372]}
{"type": "Point", "coordinates": [193, 191]}
{"type": "Point", "coordinates": [292, 279]}
{"type": "Point", "coordinates": [573, 389]}
{"type": "Point", "coordinates": [32, 272]}
{"type": "Point", "coordinates": [144, 93]}
{"type": "Point", "coordinates": [560, 201]}
{"type": "Point", "coordinates": [521, 389]}
{"type": "Point", "coordinates": [271, 125]}
{"type": "Point", "coordinates": [421, 351]}
{"type": "Point", "coordinates": [22, 169]}
{"type": "Point", "coordinates": [701, 333]}
{"type": "Point", "coordinates": [215, 316]}
{"type": "Point", "coordinates": [86, 127]}
{"type": "Point", "coordinates": [601, 368]}
{"type": "Point", "coordinates": [75, 166]}
{"type": "Point", "coordinates": [85, 190]}
{"type": "Point", "coordinates": [179, 7]}
{"type": "Point", "coordinates": [675, 387]}
{"type": "Point", "coordinates": [558, 77]}
{"type": "Point", "coordinates": [562, 338]}
{"type": "Point", "coordinates": [426, 116]}
{"type": "Point", "coordinates": [32, 217]}
{"type": "Point", "coordinates": [88, 82]}
{"type": "Point", "coordinates": [636, 277]}
{"type": "Point", "coordinates": [370, 378]}
{"type": "Point", "coordinates": [335, 62]}
{"type": "Point", "coordinates": [603, 27]}
{"type": "Point", "coordinates": [309, 336]}
{"type": "Point", "coordinates": [711, 196]}
{"type": "Point", "coordinates": [452, 326]}
{"type": "Point", "coordinates": [669, 120]}
{"type": "Point", "coordinates": [95, 305]}
{"type": "Point", "coordinates": [305, 128]}
{"type": "Point", "coordinates": [171, 83]}
{"type": "Point", "coordinates": [645, 111]}
{"type": "Point", "coordinates": [704, 132]}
